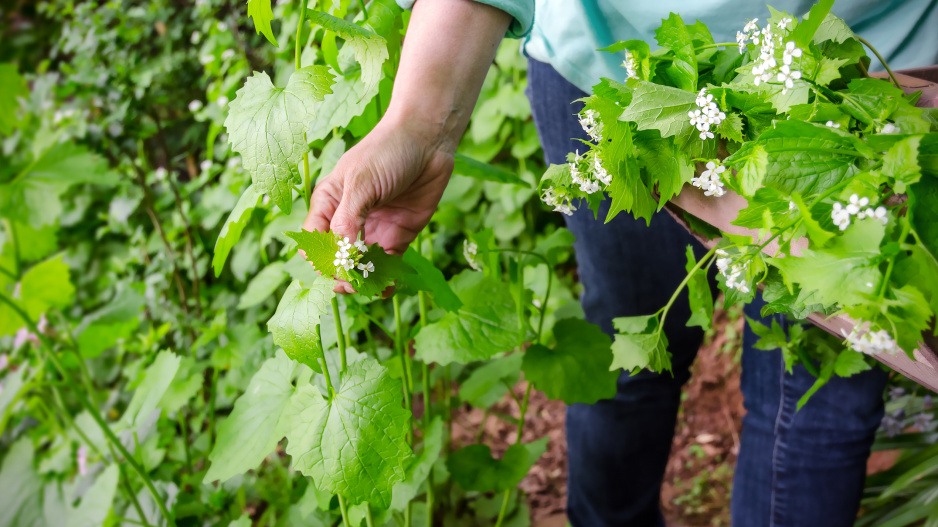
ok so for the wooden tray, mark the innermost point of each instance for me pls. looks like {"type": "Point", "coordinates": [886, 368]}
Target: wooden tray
{"type": "Point", "coordinates": [719, 213]}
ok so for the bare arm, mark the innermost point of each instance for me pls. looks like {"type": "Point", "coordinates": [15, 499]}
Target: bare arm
{"type": "Point", "coordinates": [389, 184]}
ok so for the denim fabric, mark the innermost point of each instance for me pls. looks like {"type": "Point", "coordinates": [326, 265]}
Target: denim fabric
{"type": "Point", "coordinates": [794, 469]}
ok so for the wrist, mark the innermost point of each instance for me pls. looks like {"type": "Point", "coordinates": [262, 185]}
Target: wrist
{"type": "Point", "coordinates": [434, 125]}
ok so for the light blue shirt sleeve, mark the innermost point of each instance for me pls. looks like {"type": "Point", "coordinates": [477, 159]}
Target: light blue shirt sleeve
{"type": "Point", "coordinates": [522, 11]}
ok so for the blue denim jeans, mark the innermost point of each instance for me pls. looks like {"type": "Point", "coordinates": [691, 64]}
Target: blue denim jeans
{"type": "Point", "coordinates": [795, 469]}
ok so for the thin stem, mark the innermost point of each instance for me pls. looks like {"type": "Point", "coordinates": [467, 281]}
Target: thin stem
{"type": "Point", "coordinates": [299, 33]}
{"type": "Point", "coordinates": [92, 410]}
{"type": "Point", "coordinates": [885, 283]}
{"type": "Point", "coordinates": [364, 9]}
{"type": "Point", "coordinates": [718, 45]}
{"type": "Point", "coordinates": [524, 410]}
{"type": "Point", "coordinates": [307, 180]}
{"type": "Point", "coordinates": [882, 60]}
{"type": "Point", "coordinates": [340, 335]}
{"type": "Point", "coordinates": [325, 369]}
{"type": "Point", "coordinates": [369, 520]}
{"type": "Point", "coordinates": [344, 509]}
{"type": "Point", "coordinates": [399, 344]}
{"type": "Point", "coordinates": [125, 482]}
{"type": "Point", "coordinates": [664, 310]}
{"type": "Point", "coordinates": [211, 406]}
{"type": "Point", "coordinates": [184, 430]}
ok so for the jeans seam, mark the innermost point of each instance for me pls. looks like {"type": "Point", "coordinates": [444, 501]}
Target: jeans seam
{"type": "Point", "coordinates": [775, 446]}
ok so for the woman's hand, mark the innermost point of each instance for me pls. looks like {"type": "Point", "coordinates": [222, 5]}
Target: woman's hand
{"type": "Point", "coordinates": [386, 187]}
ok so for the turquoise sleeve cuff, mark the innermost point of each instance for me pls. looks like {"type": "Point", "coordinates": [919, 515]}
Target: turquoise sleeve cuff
{"type": "Point", "coordinates": [522, 11]}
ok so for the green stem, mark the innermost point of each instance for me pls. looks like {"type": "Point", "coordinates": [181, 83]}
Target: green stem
{"type": "Point", "coordinates": [718, 45]}
{"type": "Point", "coordinates": [211, 406]}
{"type": "Point", "coordinates": [667, 307]}
{"type": "Point", "coordinates": [524, 410]}
{"type": "Point", "coordinates": [400, 344]}
{"type": "Point", "coordinates": [125, 483]}
{"type": "Point", "coordinates": [184, 430]}
{"type": "Point", "coordinates": [882, 60]}
{"type": "Point", "coordinates": [364, 9]}
{"type": "Point", "coordinates": [369, 520]}
{"type": "Point", "coordinates": [91, 409]}
{"type": "Point", "coordinates": [299, 33]}
{"type": "Point", "coordinates": [325, 368]}
{"type": "Point", "coordinates": [307, 180]}
{"type": "Point", "coordinates": [344, 509]}
{"type": "Point", "coordinates": [340, 335]}
{"type": "Point", "coordinates": [906, 227]}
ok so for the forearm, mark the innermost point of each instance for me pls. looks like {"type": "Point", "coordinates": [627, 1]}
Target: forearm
{"type": "Point", "coordinates": [446, 55]}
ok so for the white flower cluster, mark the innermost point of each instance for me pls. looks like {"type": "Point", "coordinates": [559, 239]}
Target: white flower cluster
{"type": "Point", "coordinates": [832, 124]}
{"type": "Point", "coordinates": [870, 342]}
{"type": "Point", "coordinates": [590, 177]}
{"type": "Point", "coordinates": [842, 214]}
{"type": "Point", "coordinates": [733, 272]}
{"type": "Point", "coordinates": [587, 173]}
{"type": "Point", "coordinates": [469, 250]}
{"type": "Point", "coordinates": [349, 257]}
{"type": "Point", "coordinates": [707, 115]}
{"type": "Point", "coordinates": [631, 67]}
{"type": "Point", "coordinates": [766, 66]}
{"type": "Point", "coordinates": [591, 125]}
{"type": "Point", "coordinates": [559, 200]}
{"type": "Point", "coordinates": [710, 180]}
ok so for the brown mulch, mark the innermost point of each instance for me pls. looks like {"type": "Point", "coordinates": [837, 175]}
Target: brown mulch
{"type": "Point", "coordinates": [697, 482]}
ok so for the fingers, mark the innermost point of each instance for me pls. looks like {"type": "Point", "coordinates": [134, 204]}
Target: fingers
{"type": "Point", "coordinates": [357, 198]}
{"type": "Point", "coordinates": [322, 205]}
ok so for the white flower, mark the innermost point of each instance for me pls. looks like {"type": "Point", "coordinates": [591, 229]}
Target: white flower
{"type": "Point", "coordinates": [783, 23]}
{"type": "Point", "coordinates": [856, 203]}
{"type": "Point", "coordinates": [536, 303]}
{"type": "Point", "coordinates": [710, 180]}
{"type": "Point", "coordinates": [742, 39]}
{"type": "Point", "coordinates": [469, 250]}
{"type": "Point", "coordinates": [222, 101]}
{"type": "Point", "coordinates": [787, 76]}
{"type": "Point", "coordinates": [706, 134]}
{"type": "Point", "coordinates": [195, 37]}
{"type": "Point", "coordinates": [792, 206]}
{"type": "Point", "coordinates": [868, 342]}
{"type": "Point", "coordinates": [560, 201]}
{"type": "Point", "coordinates": [227, 54]}
{"type": "Point", "coordinates": [195, 105]}
{"type": "Point", "coordinates": [631, 67]}
{"type": "Point", "coordinates": [205, 59]}
{"type": "Point", "coordinates": [159, 174]}
{"type": "Point", "coordinates": [206, 165]}
{"type": "Point", "coordinates": [734, 273]}
{"type": "Point", "coordinates": [360, 245]}
{"type": "Point", "coordinates": [840, 216]}
{"type": "Point", "coordinates": [115, 129]}
{"type": "Point", "coordinates": [221, 26]}
{"type": "Point", "coordinates": [790, 53]}
{"type": "Point", "coordinates": [751, 25]}
{"type": "Point", "coordinates": [591, 125]}
{"type": "Point", "coordinates": [366, 268]}
{"type": "Point", "coordinates": [890, 128]}
{"type": "Point", "coordinates": [880, 213]}
{"type": "Point", "coordinates": [832, 124]}
{"type": "Point", "coordinates": [600, 173]}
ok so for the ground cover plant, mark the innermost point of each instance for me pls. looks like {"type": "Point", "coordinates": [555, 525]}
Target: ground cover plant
{"type": "Point", "coordinates": [173, 357]}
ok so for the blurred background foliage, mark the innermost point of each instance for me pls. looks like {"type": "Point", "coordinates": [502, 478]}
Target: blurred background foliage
{"type": "Point", "coordinates": [115, 181]}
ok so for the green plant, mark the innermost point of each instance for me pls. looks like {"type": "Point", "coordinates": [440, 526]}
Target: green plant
{"type": "Point", "coordinates": [822, 153]}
